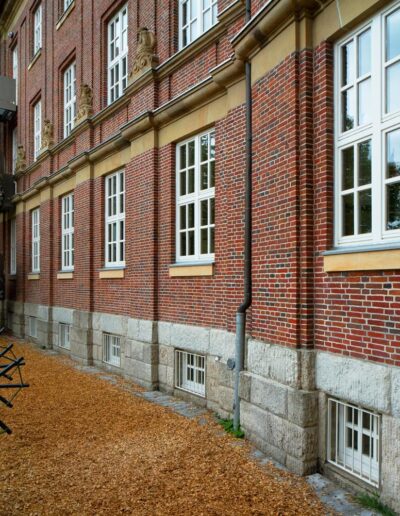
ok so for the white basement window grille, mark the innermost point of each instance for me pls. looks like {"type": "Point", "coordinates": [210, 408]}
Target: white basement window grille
{"type": "Point", "coordinates": [190, 372]}
{"type": "Point", "coordinates": [32, 327]}
{"type": "Point", "coordinates": [64, 335]}
{"type": "Point", "coordinates": [117, 54]}
{"type": "Point", "coordinates": [67, 232]}
{"type": "Point", "coordinates": [112, 349]}
{"type": "Point", "coordinates": [353, 440]}
{"type": "Point", "coordinates": [69, 99]}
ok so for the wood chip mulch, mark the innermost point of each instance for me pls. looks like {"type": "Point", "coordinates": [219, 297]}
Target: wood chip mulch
{"type": "Point", "coordinates": [81, 445]}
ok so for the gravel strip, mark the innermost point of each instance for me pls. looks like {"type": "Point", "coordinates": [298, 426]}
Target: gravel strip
{"type": "Point", "coordinates": [82, 445]}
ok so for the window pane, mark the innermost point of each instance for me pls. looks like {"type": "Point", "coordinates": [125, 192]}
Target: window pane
{"type": "Point", "coordinates": [204, 176]}
{"type": "Point", "coordinates": [191, 181]}
{"type": "Point", "coordinates": [393, 206]}
{"type": "Point", "coordinates": [393, 88]}
{"type": "Point", "coordinates": [364, 53]}
{"type": "Point", "coordinates": [348, 214]}
{"type": "Point", "coordinates": [393, 154]}
{"type": "Point", "coordinates": [191, 216]}
{"type": "Point", "coordinates": [212, 211]}
{"type": "Point", "coordinates": [365, 213]}
{"type": "Point", "coordinates": [204, 147]}
{"type": "Point", "coordinates": [212, 240]}
{"type": "Point", "coordinates": [347, 63]}
{"type": "Point", "coordinates": [348, 111]}
{"type": "Point", "coordinates": [364, 102]}
{"type": "Point", "coordinates": [364, 167]}
{"type": "Point", "coordinates": [182, 217]}
{"type": "Point", "coordinates": [183, 156]}
{"type": "Point", "coordinates": [191, 242]}
{"type": "Point", "coordinates": [183, 183]}
{"type": "Point", "coordinates": [204, 213]}
{"type": "Point", "coordinates": [204, 241]}
{"type": "Point", "coordinates": [393, 35]}
{"type": "Point", "coordinates": [183, 244]}
{"type": "Point", "coordinates": [191, 153]}
{"type": "Point", "coordinates": [348, 168]}
{"type": "Point", "coordinates": [212, 174]}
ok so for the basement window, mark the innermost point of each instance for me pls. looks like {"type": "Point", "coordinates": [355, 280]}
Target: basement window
{"type": "Point", "coordinates": [32, 327]}
{"type": "Point", "coordinates": [112, 349]}
{"type": "Point", "coordinates": [353, 440]}
{"type": "Point", "coordinates": [64, 331]}
{"type": "Point", "coordinates": [190, 372]}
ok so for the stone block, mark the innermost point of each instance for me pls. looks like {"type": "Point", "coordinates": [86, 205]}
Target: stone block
{"type": "Point", "coordinates": [141, 371]}
{"type": "Point", "coordinates": [390, 465]}
{"type": "Point", "coordinates": [268, 395]}
{"type": "Point", "coordinates": [166, 355]}
{"type": "Point", "coordinates": [226, 376]}
{"type": "Point", "coordinates": [147, 331]}
{"type": "Point", "coordinates": [164, 333]}
{"type": "Point", "coordinates": [357, 381]}
{"type": "Point", "coordinates": [274, 362]}
{"type": "Point", "coordinates": [64, 315]}
{"type": "Point", "coordinates": [307, 369]}
{"type": "Point", "coordinates": [166, 376]}
{"type": "Point", "coordinates": [132, 329]}
{"type": "Point", "coordinates": [245, 386]}
{"type": "Point", "coordinates": [191, 338]}
{"type": "Point", "coordinates": [303, 407]}
{"type": "Point", "coordinates": [301, 467]}
{"type": "Point", "coordinates": [225, 398]}
{"type": "Point", "coordinates": [222, 344]}
{"type": "Point", "coordinates": [82, 319]}
{"type": "Point", "coordinates": [110, 323]}
{"type": "Point", "coordinates": [395, 391]}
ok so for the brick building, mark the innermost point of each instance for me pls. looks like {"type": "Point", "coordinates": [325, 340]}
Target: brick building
{"type": "Point", "coordinates": [125, 245]}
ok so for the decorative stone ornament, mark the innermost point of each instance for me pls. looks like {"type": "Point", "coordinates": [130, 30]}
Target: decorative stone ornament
{"type": "Point", "coordinates": [47, 135]}
{"type": "Point", "coordinates": [85, 103]}
{"type": "Point", "coordinates": [145, 57]}
{"type": "Point", "coordinates": [20, 162]}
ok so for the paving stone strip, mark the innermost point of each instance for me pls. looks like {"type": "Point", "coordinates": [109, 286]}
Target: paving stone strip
{"type": "Point", "coordinates": [87, 441]}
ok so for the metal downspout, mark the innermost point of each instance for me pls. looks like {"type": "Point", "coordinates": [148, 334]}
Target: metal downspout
{"type": "Point", "coordinates": [241, 311]}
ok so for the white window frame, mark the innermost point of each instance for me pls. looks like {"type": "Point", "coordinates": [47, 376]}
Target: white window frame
{"type": "Point", "coordinates": [112, 349]}
{"type": "Point", "coordinates": [37, 128]}
{"type": "Point", "coordinates": [190, 372]}
{"type": "Point", "coordinates": [196, 198]}
{"type": "Point", "coordinates": [35, 218]}
{"type": "Point", "coordinates": [15, 71]}
{"type": "Point", "coordinates": [67, 3]}
{"type": "Point", "coordinates": [69, 99]}
{"type": "Point", "coordinates": [32, 326]}
{"type": "Point", "coordinates": [37, 29]}
{"type": "Point", "coordinates": [14, 144]}
{"type": "Point", "coordinates": [64, 335]}
{"type": "Point", "coordinates": [13, 246]}
{"type": "Point", "coordinates": [347, 437]}
{"type": "Point", "coordinates": [67, 232]}
{"type": "Point", "coordinates": [201, 16]}
{"type": "Point", "coordinates": [115, 219]}
{"type": "Point", "coordinates": [375, 130]}
{"type": "Point", "coordinates": [117, 54]}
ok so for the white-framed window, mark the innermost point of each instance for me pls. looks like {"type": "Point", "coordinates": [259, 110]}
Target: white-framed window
{"type": "Point", "coordinates": [37, 128]}
{"type": "Point", "coordinates": [67, 232]}
{"type": "Point", "coordinates": [195, 17]}
{"type": "Point", "coordinates": [112, 349]}
{"type": "Point", "coordinates": [190, 372]}
{"type": "Point", "coordinates": [13, 246]}
{"type": "Point", "coordinates": [367, 132]}
{"type": "Point", "coordinates": [64, 331]}
{"type": "Point", "coordinates": [67, 3]}
{"type": "Point", "coordinates": [115, 219]}
{"type": "Point", "coordinates": [117, 54]}
{"type": "Point", "coordinates": [14, 143]}
{"type": "Point", "coordinates": [32, 326]}
{"type": "Point", "coordinates": [69, 99]}
{"type": "Point", "coordinates": [37, 29]}
{"type": "Point", "coordinates": [195, 187]}
{"type": "Point", "coordinates": [353, 440]}
{"type": "Point", "coordinates": [35, 214]}
{"type": "Point", "coordinates": [15, 70]}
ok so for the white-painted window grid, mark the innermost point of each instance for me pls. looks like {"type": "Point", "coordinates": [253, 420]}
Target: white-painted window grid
{"type": "Point", "coordinates": [35, 214]}
{"type": "Point", "coordinates": [15, 71]}
{"type": "Point", "coordinates": [64, 335]}
{"type": "Point", "coordinates": [367, 132]}
{"type": "Point", "coordinates": [14, 148]}
{"type": "Point", "coordinates": [13, 246]}
{"type": "Point", "coordinates": [37, 128]}
{"type": "Point", "coordinates": [190, 372]}
{"type": "Point", "coordinates": [353, 440]}
{"type": "Point", "coordinates": [195, 189]}
{"type": "Point", "coordinates": [112, 349]}
{"type": "Point", "coordinates": [195, 18]}
{"type": "Point", "coordinates": [37, 29]}
{"type": "Point", "coordinates": [67, 232]}
{"type": "Point", "coordinates": [117, 54]}
{"type": "Point", "coordinates": [115, 219]}
{"type": "Point", "coordinates": [69, 99]}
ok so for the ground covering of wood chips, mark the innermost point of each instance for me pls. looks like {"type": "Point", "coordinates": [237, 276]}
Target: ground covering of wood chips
{"type": "Point", "coordinates": [81, 445]}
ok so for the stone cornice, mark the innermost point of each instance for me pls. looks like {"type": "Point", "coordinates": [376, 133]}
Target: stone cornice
{"type": "Point", "coordinates": [7, 13]}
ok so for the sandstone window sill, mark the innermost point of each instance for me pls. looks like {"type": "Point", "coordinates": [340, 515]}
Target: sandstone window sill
{"type": "Point", "coordinates": [183, 270]}
{"type": "Point", "coordinates": [367, 259]}
{"type": "Point", "coordinates": [65, 15]}
{"type": "Point", "coordinates": [35, 58]}
{"type": "Point", "coordinates": [65, 275]}
{"type": "Point", "coordinates": [112, 273]}
{"type": "Point", "coordinates": [33, 276]}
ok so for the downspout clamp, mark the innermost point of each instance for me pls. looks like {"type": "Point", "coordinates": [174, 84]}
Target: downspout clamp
{"type": "Point", "coordinates": [241, 311]}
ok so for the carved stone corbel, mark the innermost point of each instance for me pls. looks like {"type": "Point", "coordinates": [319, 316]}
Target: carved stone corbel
{"type": "Point", "coordinates": [85, 104]}
{"type": "Point", "coordinates": [145, 57]}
